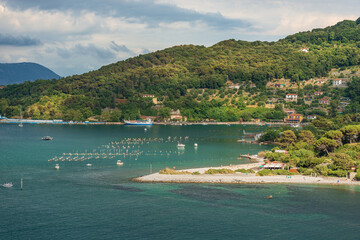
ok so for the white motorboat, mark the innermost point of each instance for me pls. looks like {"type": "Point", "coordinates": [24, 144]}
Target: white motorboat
{"type": "Point", "coordinates": [47, 138]}
{"type": "Point", "coordinates": [8, 185]}
{"type": "Point", "coordinates": [89, 165]}
{"type": "Point", "coordinates": [180, 145]}
{"type": "Point", "coordinates": [57, 167]}
{"type": "Point", "coordinates": [195, 145]}
{"type": "Point", "coordinates": [119, 163]}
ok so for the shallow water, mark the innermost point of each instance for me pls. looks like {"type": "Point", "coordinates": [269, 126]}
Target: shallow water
{"type": "Point", "coordinates": [99, 202]}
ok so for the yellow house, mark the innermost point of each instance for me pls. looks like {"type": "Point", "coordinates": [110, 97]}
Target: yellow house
{"type": "Point", "coordinates": [294, 118]}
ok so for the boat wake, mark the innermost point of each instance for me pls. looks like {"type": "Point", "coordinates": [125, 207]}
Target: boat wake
{"type": "Point", "coordinates": [7, 185]}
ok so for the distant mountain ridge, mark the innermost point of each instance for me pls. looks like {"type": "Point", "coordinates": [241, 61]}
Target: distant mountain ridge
{"type": "Point", "coordinates": [11, 73]}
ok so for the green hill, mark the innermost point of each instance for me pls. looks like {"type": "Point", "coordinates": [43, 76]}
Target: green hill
{"type": "Point", "coordinates": [170, 73]}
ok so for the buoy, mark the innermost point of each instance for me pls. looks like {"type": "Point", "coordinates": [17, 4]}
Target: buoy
{"type": "Point", "coordinates": [269, 197]}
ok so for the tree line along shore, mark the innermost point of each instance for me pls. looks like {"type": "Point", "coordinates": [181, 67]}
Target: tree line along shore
{"type": "Point", "coordinates": [327, 151]}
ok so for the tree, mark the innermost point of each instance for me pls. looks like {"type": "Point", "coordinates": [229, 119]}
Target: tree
{"type": "Point", "coordinates": [287, 139]}
{"type": "Point", "coordinates": [307, 137]}
{"type": "Point", "coordinates": [341, 161]}
{"type": "Point", "coordinates": [334, 108]}
{"type": "Point", "coordinates": [335, 135]}
{"type": "Point", "coordinates": [323, 123]}
{"type": "Point", "coordinates": [164, 112]}
{"type": "Point", "coordinates": [351, 132]}
{"type": "Point", "coordinates": [270, 135]}
{"type": "Point", "coordinates": [115, 115]}
{"type": "Point", "coordinates": [325, 145]}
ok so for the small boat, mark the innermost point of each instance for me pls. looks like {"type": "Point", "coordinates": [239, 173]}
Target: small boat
{"type": "Point", "coordinates": [57, 167]}
{"type": "Point", "coordinates": [139, 122]}
{"type": "Point", "coordinates": [195, 145]}
{"type": "Point", "coordinates": [180, 145]}
{"type": "Point", "coordinates": [119, 163]}
{"type": "Point", "coordinates": [89, 165]}
{"type": "Point", "coordinates": [8, 185]}
{"type": "Point", "coordinates": [47, 138]}
{"type": "Point", "coordinates": [269, 197]}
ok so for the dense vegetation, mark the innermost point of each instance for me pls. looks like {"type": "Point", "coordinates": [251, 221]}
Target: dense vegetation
{"type": "Point", "coordinates": [190, 78]}
{"type": "Point", "coordinates": [326, 147]}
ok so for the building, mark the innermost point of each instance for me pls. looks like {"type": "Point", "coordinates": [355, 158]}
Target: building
{"type": "Point", "coordinates": [119, 100]}
{"type": "Point", "coordinates": [289, 111]}
{"type": "Point", "coordinates": [311, 117]}
{"type": "Point", "coordinates": [234, 86]}
{"type": "Point", "coordinates": [306, 50]}
{"type": "Point", "coordinates": [293, 118]}
{"type": "Point", "coordinates": [176, 115]}
{"type": "Point", "coordinates": [2, 86]}
{"type": "Point", "coordinates": [281, 151]}
{"type": "Point", "coordinates": [318, 93]}
{"type": "Point", "coordinates": [274, 166]}
{"type": "Point", "coordinates": [337, 82]}
{"type": "Point", "coordinates": [324, 101]}
{"type": "Point", "coordinates": [291, 97]}
{"type": "Point", "coordinates": [154, 99]}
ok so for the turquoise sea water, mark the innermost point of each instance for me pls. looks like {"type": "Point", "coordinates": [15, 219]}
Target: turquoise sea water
{"type": "Point", "coordinates": [100, 202]}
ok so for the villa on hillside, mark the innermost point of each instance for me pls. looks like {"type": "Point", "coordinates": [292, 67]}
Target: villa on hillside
{"type": "Point", "coordinates": [154, 99]}
{"type": "Point", "coordinates": [340, 82]}
{"type": "Point", "coordinates": [293, 118]}
{"type": "Point", "coordinates": [311, 117]}
{"type": "Point", "coordinates": [234, 86]}
{"type": "Point", "coordinates": [289, 111]}
{"type": "Point", "coordinates": [176, 115]}
{"type": "Point", "coordinates": [324, 101]}
{"type": "Point", "coordinates": [291, 97]}
{"type": "Point", "coordinates": [337, 82]}
{"type": "Point", "coordinates": [305, 50]}
{"type": "Point", "coordinates": [318, 93]}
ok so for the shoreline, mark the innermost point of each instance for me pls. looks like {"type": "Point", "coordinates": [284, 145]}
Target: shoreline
{"type": "Point", "coordinates": [50, 122]}
{"type": "Point", "coordinates": [240, 178]}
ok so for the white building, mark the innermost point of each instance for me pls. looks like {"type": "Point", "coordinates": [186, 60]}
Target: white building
{"type": "Point", "coordinates": [291, 97]}
{"type": "Point", "coordinates": [337, 82]}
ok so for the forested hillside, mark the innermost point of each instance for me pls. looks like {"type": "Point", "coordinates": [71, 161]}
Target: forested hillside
{"type": "Point", "coordinates": [173, 75]}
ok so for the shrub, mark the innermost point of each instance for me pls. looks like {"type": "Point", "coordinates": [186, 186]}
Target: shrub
{"type": "Point", "coordinates": [322, 170]}
{"type": "Point", "coordinates": [173, 172]}
{"type": "Point", "coordinates": [245, 170]}
{"type": "Point", "coordinates": [306, 171]}
{"type": "Point", "coordinates": [220, 171]}
{"type": "Point", "coordinates": [195, 173]}
{"type": "Point", "coordinates": [267, 172]}
{"type": "Point", "coordinates": [357, 176]}
{"type": "Point", "coordinates": [338, 173]}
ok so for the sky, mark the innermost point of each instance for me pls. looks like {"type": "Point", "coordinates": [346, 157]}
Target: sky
{"type": "Point", "coordinates": [77, 36]}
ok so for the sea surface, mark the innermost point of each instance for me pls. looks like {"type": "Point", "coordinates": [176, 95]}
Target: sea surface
{"type": "Point", "coordinates": [101, 201]}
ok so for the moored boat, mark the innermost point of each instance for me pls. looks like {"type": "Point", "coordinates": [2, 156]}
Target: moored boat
{"type": "Point", "coordinates": [8, 185]}
{"type": "Point", "coordinates": [180, 145]}
{"type": "Point", "coordinates": [47, 138]}
{"type": "Point", "coordinates": [139, 122]}
{"type": "Point", "coordinates": [119, 163]}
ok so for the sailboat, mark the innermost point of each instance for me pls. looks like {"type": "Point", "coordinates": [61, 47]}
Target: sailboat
{"type": "Point", "coordinates": [20, 124]}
